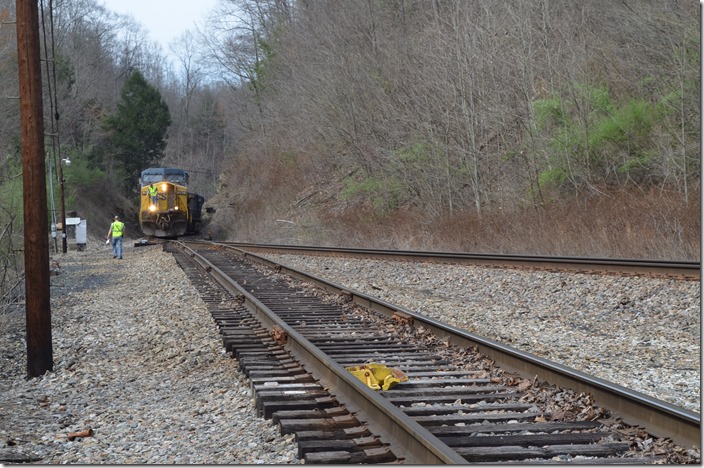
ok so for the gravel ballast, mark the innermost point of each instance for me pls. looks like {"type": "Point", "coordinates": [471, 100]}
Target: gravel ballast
{"type": "Point", "coordinates": [641, 333]}
{"type": "Point", "coordinates": [138, 359]}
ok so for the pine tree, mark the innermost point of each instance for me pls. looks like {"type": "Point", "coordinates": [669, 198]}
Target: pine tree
{"type": "Point", "coordinates": [137, 130]}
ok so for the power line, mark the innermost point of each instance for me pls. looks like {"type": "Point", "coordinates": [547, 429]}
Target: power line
{"type": "Point", "coordinates": [186, 168]}
{"type": "Point", "coordinates": [54, 111]}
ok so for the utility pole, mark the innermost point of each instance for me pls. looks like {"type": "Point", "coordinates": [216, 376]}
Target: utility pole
{"type": "Point", "coordinates": [62, 204]}
{"type": "Point", "coordinates": [36, 234]}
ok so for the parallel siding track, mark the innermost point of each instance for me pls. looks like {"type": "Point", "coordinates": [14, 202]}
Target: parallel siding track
{"type": "Point", "coordinates": [655, 268]}
{"type": "Point", "coordinates": [455, 408]}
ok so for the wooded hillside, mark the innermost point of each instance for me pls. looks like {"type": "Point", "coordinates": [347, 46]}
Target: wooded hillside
{"type": "Point", "coordinates": [528, 126]}
{"type": "Point", "coordinates": [473, 125]}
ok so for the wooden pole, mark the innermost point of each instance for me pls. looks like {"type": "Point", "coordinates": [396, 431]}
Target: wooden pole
{"type": "Point", "coordinates": [36, 232]}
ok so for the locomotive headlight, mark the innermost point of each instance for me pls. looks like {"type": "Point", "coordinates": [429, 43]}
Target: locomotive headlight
{"type": "Point", "coordinates": [152, 208]}
{"type": "Point", "coordinates": [163, 187]}
{"type": "Point", "coordinates": [176, 207]}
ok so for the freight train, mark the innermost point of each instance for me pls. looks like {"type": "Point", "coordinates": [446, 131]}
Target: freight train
{"type": "Point", "coordinates": [174, 211]}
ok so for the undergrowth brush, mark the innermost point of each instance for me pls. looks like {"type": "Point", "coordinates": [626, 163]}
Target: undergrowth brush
{"type": "Point", "coordinates": [652, 225]}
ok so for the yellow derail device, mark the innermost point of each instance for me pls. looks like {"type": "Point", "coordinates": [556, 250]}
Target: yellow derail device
{"type": "Point", "coordinates": [378, 376]}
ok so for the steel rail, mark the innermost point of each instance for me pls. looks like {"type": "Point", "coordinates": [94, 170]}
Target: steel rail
{"type": "Point", "coordinates": [656, 416]}
{"type": "Point", "coordinates": [689, 270]}
{"type": "Point", "coordinates": [416, 443]}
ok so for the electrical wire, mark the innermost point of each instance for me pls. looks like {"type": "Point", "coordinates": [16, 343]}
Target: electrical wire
{"type": "Point", "coordinates": [52, 160]}
{"type": "Point", "coordinates": [51, 74]}
{"type": "Point", "coordinates": [53, 99]}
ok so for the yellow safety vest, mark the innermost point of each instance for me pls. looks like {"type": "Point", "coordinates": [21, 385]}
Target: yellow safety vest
{"type": "Point", "coordinates": [117, 228]}
{"type": "Point", "coordinates": [152, 191]}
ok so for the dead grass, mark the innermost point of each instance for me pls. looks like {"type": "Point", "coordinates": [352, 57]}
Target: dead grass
{"type": "Point", "coordinates": [280, 202]}
{"type": "Point", "coordinates": [651, 227]}
{"type": "Point", "coordinates": [620, 225]}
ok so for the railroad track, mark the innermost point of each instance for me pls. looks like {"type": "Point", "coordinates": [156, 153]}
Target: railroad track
{"type": "Point", "coordinates": [654, 268]}
{"type": "Point", "coordinates": [456, 407]}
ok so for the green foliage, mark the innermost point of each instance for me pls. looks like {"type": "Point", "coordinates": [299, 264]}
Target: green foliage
{"type": "Point", "coordinates": [353, 188]}
{"type": "Point", "coordinates": [384, 193]}
{"type": "Point", "coordinates": [81, 174]}
{"type": "Point", "coordinates": [137, 130]}
{"type": "Point", "coordinates": [589, 132]}
{"type": "Point", "coordinates": [11, 221]}
{"type": "Point", "coordinates": [626, 124]}
{"type": "Point", "coordinates": [596, 96]}
{"type": "Point", "coordinates": [671, 99]}
{"type": "Point", "coordinates": [548, 112]}
{"type": "Point", "coordinates": [552, 177]}
{"type": "Point", "coordinates": [634, 164]}
{"type": "Point", "coordinates": [260, 66]}
{"type": "Point", "coordinates": [414, 154]}
{"type": "Point", "coordinates": [11, 192]}
{"type": "Point", "coordinates": [64, 70]}
{"type": "Point", "coordinates": [413, 161]}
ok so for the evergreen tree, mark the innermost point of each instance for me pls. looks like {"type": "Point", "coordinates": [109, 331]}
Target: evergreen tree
{"type": "Point", "coordinates": [137, 130]}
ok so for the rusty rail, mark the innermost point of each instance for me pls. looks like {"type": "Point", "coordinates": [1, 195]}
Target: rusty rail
{"type": "Point", "coordinates": [688, 270]}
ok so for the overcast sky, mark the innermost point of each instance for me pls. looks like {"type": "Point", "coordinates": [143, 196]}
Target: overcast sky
{"type": "Point", "coordinates": [164, 19]}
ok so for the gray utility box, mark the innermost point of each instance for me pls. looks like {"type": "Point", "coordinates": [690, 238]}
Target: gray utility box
{"type": "Point", "coordinates": [81, 231]}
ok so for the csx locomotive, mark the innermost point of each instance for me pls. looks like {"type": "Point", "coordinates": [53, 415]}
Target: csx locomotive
{"type": "Point", "coordinates": [176, 211]}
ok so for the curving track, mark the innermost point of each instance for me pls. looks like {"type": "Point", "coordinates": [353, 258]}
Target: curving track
{"type": "Point", "coordinates": [455, 408]}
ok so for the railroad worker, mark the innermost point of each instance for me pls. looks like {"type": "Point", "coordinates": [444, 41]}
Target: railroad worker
{"type": "Point", "coordinates": [117, 229]}
{"type": "Point", "coordinates": [152, 193]}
